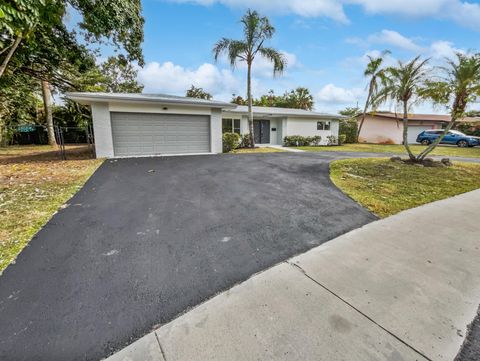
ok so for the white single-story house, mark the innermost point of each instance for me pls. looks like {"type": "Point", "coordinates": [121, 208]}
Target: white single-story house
{"type": "Point", "coordinates": [156, 124]}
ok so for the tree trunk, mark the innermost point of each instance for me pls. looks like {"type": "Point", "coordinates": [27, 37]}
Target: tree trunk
{"type": "Point", "coordinates": [250, 103]}
{"type": "Point", "coordinates": [364, 112]}
{"type": "Point", "coordinates": [47, 104]}
{"type": "Point", "coordinates": [405, 131]}
{"type": "Point", "coordinates": [437, 141]}
{"type": "Point", "coordinates": [10, 53]}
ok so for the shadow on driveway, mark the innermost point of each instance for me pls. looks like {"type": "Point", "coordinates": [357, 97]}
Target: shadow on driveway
{"type": "Point", "coordinates": [148, 238]}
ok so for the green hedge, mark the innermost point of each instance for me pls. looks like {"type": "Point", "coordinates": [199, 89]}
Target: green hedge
{"type": "Point", "coordinates": [300, 141]}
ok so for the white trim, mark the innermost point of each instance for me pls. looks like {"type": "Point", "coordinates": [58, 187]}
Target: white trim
{"type": "Point", "coordinates": [158, 155]}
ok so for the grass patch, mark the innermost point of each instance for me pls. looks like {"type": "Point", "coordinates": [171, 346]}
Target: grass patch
{"type": "Point", "coordinates": [448, 151]}
{"type": "Point", "coordinates": [386, 187]}
{"type": "Point", "coordinates": [34, 184]}
{"type": "Point", "coordinates": [257, 150]}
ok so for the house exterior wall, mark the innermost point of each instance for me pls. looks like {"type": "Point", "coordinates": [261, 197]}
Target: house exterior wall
{"type": "Point", "coordinates": [101, 113]}
{"type": "Point", "coordinates": [307, 127]}
{"type": "Point", "coordinates": [102, 128]}
{"type": "Point", "coordinates": [102, 124]}
{"type": "Point", "coordinates": [388, 131]}
{"type": "Point", "coordinates": [216, 144]}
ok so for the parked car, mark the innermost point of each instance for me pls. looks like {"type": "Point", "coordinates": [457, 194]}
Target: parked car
{"type": "Point", "coordinates": [452, 137]}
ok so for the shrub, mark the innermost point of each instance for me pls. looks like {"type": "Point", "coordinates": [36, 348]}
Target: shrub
{"type": "Point", "coordinates": [300, 141]}
{"type": "Point", "coordinates": [246, 141]}
{"type": "Point", "coordinates": [231, 141]}
{"type": "Point", "coordinates": [332, 140]}
{"type": "Point", "coordinates": [341, 139]}
{"type": "Point", "coordinates": [349, 129]}
{"type": "Point", "coordinates": [315, 140]}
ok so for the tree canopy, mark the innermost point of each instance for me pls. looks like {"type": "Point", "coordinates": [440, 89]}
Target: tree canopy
{"type": "Point", "coordinates": [198, 93]}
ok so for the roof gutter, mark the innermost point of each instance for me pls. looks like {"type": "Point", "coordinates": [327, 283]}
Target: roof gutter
{"type": "Point", "coordinates": [92, 98]}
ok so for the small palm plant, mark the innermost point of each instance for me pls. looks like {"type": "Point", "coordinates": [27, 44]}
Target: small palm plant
{"type": "Point", "coordinates": [459, 86]}
{"type": "Point", "coordinates": [375, 72]}
{"type": "Point", "coordinates": [257, 30]}
{"type": "Point", "coordinates": [404, 84]}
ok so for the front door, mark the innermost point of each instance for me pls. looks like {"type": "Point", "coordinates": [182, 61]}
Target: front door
{"type": "Point", "coordinates": [261, 131]}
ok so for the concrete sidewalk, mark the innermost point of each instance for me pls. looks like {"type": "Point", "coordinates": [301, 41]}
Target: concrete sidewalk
{"type": "Point", "coordinates": [402, 288]}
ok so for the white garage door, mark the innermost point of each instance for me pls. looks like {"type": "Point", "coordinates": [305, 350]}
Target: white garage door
{"type": "Point", "coordinates": [152, 134]}
{"type": "Point", "coordinates": [414, 131]}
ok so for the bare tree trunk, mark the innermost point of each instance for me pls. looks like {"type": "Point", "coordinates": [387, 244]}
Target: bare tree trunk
{"type": "Point", "coordinates": [47, 103]}
{"type": "Point", "coordinates": [250, 103]}
{"type": "Point", "coordinates": [364, 112]}
{"type": "Point", "coordinates": [10, 53]}
{"type": "Point", "coordinates": [405, 132]}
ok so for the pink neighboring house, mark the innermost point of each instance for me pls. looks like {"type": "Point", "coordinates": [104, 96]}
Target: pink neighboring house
{"type": "Point", "coordinates": [387, 127]}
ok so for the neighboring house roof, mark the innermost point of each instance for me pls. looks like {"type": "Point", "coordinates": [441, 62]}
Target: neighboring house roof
{"type": "Point", "coordinates": [421, 117]}
{"type": "Point", "coordinates": [273, 111]}
{"type": "Point", "coordinates": [88, 98]}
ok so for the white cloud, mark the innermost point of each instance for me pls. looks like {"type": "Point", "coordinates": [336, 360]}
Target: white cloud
{"type": "Point", "coordinates": [308, 8]}
{"type": "Point", "coordinates": [438, 49]}
{"type": "Point", "coordinates": [175, 79]}
{"type": "Point", "coordinates": [444, 49]}
{"type": "Point", "coordinates": [219, 80]}
{"type": "Point", "coordinates": [332, 94]}
{"type": "Point", "coordinates": [463, 12]}
{"type": "Point", "coordinates": [393, 38]}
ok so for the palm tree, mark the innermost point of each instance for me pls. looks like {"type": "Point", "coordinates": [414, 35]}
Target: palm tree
{"type": "Point", "coordinates": [375, 72]}
{"type": "Point", "coordinates": [460, 86]}
{"type": "Point", "coordinates": [257, 30]}
{"type": "Point", "coordinates": [404, 85]}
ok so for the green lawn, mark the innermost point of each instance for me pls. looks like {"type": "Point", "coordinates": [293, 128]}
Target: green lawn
{"type": "Point", "coordinates": [34, 184]}
{"type": "Point", "coordinates": [448, 151]}
{"type": "Point", "coordinates": [386, 187]}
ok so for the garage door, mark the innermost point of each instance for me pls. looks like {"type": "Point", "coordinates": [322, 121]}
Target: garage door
{"type": "Point", "coordinates": [414, 131]}
{"type": "Point", "coordinates": [151, 134]}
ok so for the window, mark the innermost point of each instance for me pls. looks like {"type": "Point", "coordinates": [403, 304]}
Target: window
{"type": "Point", "coordinates": [324, 125]}
{"type": "Point", "coordinates": [231, 125]}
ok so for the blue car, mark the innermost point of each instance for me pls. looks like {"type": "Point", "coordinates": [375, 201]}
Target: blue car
{"type": "Point", "coordinates": [453, 137]}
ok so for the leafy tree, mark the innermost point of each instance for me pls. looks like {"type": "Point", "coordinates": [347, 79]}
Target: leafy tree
{"type": "Point", "coordinates": [268, 100]}
{"type": "Point", "coordinates": [239, 100]}
{"type": "Point", "coordinates": [257, 30]}
{"type": "Point", "coordinates": [459, 87]}
{"type": "Point", "coordinates": [375, 73]}
{"type": "Point", "coordinates": [120, 76]}
{"type": "Point", "coordinates": [34, 38]}
{"type": "Point", "coordinates": [349, 127]}
{"type": "Point", "coordinates": [118, 21]}
{"type": "Point", "coordinates": [198, 93]}
{"type": "Point", "coordinates": [404, 85]}
{"type": "Point", "coordinates": [351, 112]}
{"type": "Point", "coordinates": [299, 98]}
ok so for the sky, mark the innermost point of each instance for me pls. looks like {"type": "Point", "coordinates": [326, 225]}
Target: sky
{"type": "Point", "coordinates": [325, 42]}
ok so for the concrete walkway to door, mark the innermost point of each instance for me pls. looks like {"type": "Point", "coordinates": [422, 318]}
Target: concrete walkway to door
{"type": "Point", "coordinates": [402, 288]}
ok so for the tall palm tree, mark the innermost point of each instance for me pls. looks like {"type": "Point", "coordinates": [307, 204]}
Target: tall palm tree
{"type": "Point", "coordinates": [460, 86]}
{"type": "Point", "coordinates": [256, 31]}
{"type": "Point", "coordinates": [375, 72]}
{"type": "Point", "coordinates": [404, 84]}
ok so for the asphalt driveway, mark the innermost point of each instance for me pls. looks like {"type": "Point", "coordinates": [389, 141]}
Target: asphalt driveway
{"type": "Point", "coordinates": [148, 238]}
